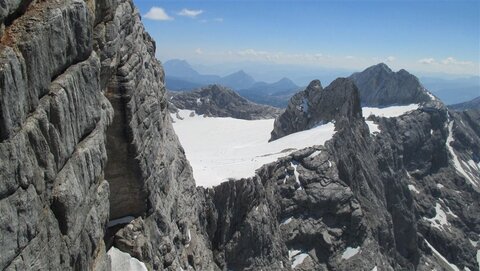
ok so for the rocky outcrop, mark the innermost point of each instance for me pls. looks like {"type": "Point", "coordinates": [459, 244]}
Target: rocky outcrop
{"type": "Point", "coordinates": [378, 86]}
{"type": "Point", "coordinates": [315, 106]}
{"type": "Point", "coordinates": [218, 101]}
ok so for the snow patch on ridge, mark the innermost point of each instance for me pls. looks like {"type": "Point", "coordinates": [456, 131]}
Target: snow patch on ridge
{"type": "Point", "coordinates": [373, 127]}
{"type": "Point", "coordinates": [456, 160]}
{"type": "Point", "coordinates": [223, 148]}
{"type": "Point", "coordinates": [436, 253]}
{"type": "Point", "coordinates": [412, 188]}
{"type": "Point", "coordinates": [389, 112]}
{"type": "Point", "coordinates": [296, 257]}
{"type": "Point", "coordinates": [122, 261]}
{"type": "Point", "coordinates": [350, 252]}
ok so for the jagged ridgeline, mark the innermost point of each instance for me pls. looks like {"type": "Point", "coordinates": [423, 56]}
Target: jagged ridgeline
{"type": "Point", "coordinates": [93, 177]}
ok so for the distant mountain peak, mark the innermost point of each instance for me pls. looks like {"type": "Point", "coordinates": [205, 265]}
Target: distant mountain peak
{"type": "Point", "coordinates": [378, 85]}
{"type": "Point", "coordinates": [381, 67]}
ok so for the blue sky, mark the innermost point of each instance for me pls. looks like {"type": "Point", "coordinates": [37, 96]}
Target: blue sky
{"type": "Point", "coordinates": [425, 36]}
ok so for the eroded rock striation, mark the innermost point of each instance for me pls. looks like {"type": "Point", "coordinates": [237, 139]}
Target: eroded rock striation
{"type": "Point", "coordinates": [75, 78]}
{"type": "Point", "coordinates": [218, 101]}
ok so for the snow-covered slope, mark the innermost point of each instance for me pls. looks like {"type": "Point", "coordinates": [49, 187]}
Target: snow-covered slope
{"type": "Point", "coordinates": [389, 112]}
{"type": "Point", "coordinates": [223, 148]}
{"type": "Point", "coordinates": [122, 261]}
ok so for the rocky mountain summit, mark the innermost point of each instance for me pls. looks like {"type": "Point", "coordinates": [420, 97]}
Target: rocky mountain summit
{"type": "Point", "coordinates": [90, 166]}
{"type": "Point", "coordinates": [378, 85]}
{"type": "Point", "coordinates": [219, 101]}
{"type": "Point", "coordinates": [315, 106]}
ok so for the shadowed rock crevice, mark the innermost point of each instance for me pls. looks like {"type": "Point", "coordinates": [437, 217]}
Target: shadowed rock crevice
{"type": "Point", "coordinates": [127, 194]}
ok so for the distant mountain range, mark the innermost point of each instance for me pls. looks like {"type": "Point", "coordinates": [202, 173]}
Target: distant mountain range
{"type": "Point", "coordinates": [181, 76]}
{"type": "Point", "coordinates": [378, 85]}
{"type": "Point", "coordinates": [472, 104]}
{"type": "Point", "coordinates": [453, 91]}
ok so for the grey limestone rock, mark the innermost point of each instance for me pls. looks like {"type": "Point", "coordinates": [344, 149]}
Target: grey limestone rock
{"type": "Point", "coordinates": [315, 106]}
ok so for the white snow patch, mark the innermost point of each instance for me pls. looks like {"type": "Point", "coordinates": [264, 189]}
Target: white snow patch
{"type": "Point", "coordinates": [295, 172]}
{"type": "Point", "coordinates": [431, 96]}
{"type": "Point", "coordinates": [439, 185]}
{"type": "Point", "coordinates": [122, 261]}
{"type": "Point", "coordinates": [389, 112]}
{"type": "Point", "coordinates": [440, 220]}
{"type": "Point", "coordinates": [350, 252]}
{"type": "Point", "coordinates": [478, 258]}
{"type": "Point", "coordinates": [121, 220]}
{"type": "Point", "coordinates": [473, 165]}
{"type": "Point", "coordinates": [375, 268]}
{"type": "Point", "coordinates": [223, 148]}
{"type": "Point", "coordinates": [199, 101]}
{"type": "Point", "coordinates": [431, 132]}
{"type": "Point", "coordinates": [286, 221]}
{"type": "Point", "coordinates": [474, 243]}
{"type": "Point", "coordinates": [373, 127]}
{"type": "Point", "coordinates": [296, 257]}
{"type": "Point", "coordinates": [454, 267]}
{"type": "Point", "coordinates": [413, 188]}
{"type": "Point", "coordinates": [315, 153]}
{"type": "Point", "coordinates": [451, 213]}
{"type": "Point", "coordinates": [456, 161]}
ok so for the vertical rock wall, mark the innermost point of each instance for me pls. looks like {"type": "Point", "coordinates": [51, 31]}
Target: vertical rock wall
{"type": "Point", "coordinates": [59, 61]}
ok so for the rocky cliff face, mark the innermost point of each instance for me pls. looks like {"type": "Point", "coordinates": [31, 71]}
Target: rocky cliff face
{"type": "Point", "coordinates": [379, 86]}
{"type": "Point", "coordinates": [218, 101]}
{"type": "Point", "coordinates": [79, 81]}
{"type": "Point", "coordinates": [315, 106]}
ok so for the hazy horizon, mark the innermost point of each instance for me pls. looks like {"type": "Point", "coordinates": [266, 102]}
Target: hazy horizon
{"type": "Point", "coordinates": [424, 37]}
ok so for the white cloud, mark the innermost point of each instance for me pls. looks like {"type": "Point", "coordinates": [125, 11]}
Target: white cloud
{"type": "Point", "coordinates": [453, 61]}
{"type": "Point", "coordinates": [349, 57]}
{"type": "Point", "coordinates": [158, 13]}
{"type": "Point", "coordinates": [198, 51]}
{"type": "Point", "coordinates": [428, 60]}
{"type": "Point", "coordinates": [192, 13]}
{"type": "Point", "coordinates": [390, 59]}
{"type": "Point", "coordinates": [218, 20]}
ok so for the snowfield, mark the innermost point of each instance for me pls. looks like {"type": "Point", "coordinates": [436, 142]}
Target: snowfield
{"type": "Point", "coordinates": [223, 148]}
{"type": "Point", "coordinates": [389, 112]}
{"type": "Point", "coordinates": [122, 261]}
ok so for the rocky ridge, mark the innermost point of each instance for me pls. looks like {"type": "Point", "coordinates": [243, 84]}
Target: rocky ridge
{"type": "Point", "coordinates": [472, 104]}
{"type": "Point", "coordinates": [315, 106]}
{"type": "Point", "coordinates": [218, 101]}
